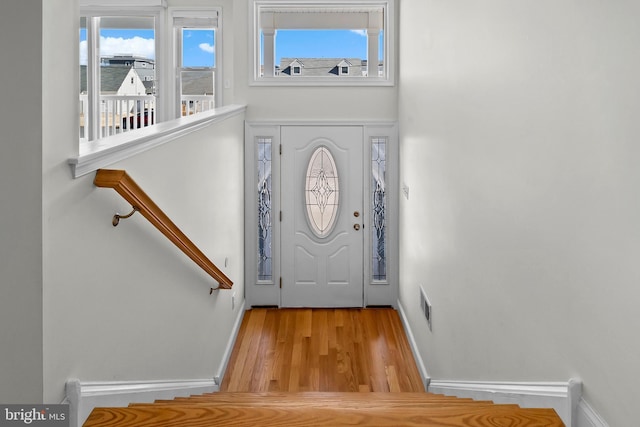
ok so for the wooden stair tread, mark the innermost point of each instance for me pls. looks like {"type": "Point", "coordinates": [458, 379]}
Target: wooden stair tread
{"type": "Point", "coordinates": [321, 403]}
{"type": "Point", "coordinates": [314, 396]}
{"type": "Point", "coordinates": [207, 415]}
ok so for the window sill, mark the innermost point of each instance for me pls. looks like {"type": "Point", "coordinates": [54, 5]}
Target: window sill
{"type": "Point", "coordinates": [103, 152]}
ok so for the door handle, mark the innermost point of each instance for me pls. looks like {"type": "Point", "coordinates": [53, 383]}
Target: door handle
{"type": "Point", "coordinates": [356, 227]}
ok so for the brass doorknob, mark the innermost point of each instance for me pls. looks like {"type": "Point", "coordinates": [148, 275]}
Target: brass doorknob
{"type": "Point", "coordinates": [356, 227]}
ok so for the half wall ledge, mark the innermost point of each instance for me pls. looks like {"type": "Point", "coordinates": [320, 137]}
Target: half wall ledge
{"type": "Point", "coordinates": [106, 151]}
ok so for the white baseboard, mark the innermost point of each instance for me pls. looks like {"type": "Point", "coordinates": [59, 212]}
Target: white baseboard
{"type": "Point", "coordinates": [414, 347]}
{"type": "Point", "coordinates": [586, 416]}
{"type": "Point", "coordinates": [84, 396]}
{"type": "Point", "coordinates": [230, 343]}
{"type": "Point", "coordinates": [561, 396]}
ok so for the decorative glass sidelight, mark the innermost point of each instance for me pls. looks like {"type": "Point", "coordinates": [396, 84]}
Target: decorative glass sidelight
{"type": "Point", "coordinates": [322, 192]}
{"type": "Point", "coordinates": [265, 225]}
{"type": "Point", "coordinates": [378, 208]}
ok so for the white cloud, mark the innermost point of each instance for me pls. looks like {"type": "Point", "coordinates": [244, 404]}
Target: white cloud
{"type": "Point", "coordinates": [206, 47]}
{"type": "Point", "coordinates": [109, 46]}
{"type": "Point", "coordinates": [136, 46]}
{"type": "Point", "coordinates": [362, 33]}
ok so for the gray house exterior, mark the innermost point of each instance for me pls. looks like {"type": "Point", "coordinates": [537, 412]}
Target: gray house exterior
{"type": "Point", "coordinates": [127, 61]}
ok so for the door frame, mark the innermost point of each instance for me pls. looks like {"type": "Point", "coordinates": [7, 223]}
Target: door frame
{"type": "Point", "coordinates": [259, 293]}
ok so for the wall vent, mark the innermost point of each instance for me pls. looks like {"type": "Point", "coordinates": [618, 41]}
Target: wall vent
{"type": "Point", "coordinates": [425, 306]}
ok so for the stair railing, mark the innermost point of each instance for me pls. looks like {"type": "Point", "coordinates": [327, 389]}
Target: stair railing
{"type": "Point", "coordinates": [120, 181]}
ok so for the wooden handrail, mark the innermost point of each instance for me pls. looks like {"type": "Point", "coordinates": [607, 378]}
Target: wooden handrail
{"type": "Point", "coordinates": [132, 193]}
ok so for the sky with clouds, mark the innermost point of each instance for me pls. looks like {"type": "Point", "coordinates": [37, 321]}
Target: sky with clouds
{"type": "Point", "coordinates": [199, 44]}
{"type": "Point", "coordinates": [199, 48]}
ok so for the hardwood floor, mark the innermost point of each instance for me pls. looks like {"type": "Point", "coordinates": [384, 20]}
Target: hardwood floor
{"type": "Point", "coordinates": [334, 350]}
{"type": "Point", "coordinates": [297, 367]}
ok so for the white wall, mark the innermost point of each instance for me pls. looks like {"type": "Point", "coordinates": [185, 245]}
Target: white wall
{"type": "Point", "coordinates": [519, 128]}
{"type": "Point", "coordinates": [20, 203]}
{"type": "Point", "coordinates": [123, 303]}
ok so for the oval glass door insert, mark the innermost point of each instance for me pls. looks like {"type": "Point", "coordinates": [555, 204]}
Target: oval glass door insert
{"type": "Point", "coordinates": [322, 192]}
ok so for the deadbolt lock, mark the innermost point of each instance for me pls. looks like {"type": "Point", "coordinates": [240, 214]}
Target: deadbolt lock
{"type": "Point", "coordinates": [356, 214]}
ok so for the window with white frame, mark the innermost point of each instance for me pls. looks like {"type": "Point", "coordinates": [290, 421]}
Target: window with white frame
{"type": "Point", "coordinates": [118, 89]}
{"type": "Point", "coordinates": [196, 52]}
{"type": "Point", "coordinates": [123, 69]}
{"type": "Point", "coordinates": [339, 43]}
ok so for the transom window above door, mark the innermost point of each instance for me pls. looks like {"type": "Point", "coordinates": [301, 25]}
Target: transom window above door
{"type": "Point", "coordinates": [309, 43]}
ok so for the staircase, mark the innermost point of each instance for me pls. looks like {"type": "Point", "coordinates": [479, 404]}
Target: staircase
{"type": "Point", "coordinates": [323, 409]}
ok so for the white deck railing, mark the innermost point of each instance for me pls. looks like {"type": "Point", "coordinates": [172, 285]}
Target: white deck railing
{"type": "Point", "coordinates": [192, 104]}
{"type": "Point", "coordinates": [119, 114]}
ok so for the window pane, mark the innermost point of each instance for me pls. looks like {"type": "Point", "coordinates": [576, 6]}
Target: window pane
{"type": "Point", "coordinates": [197, 76]}
{"type": "Point", "coordinates": [198, 47]}
{"type": "Point", "coordinates": [320, 53]}
{"type": "Point", "coordinates": [127, 73]}
{"type": "Point", "coordinates": [265, 226]}
{"type": "Point", "coordinates": [378, 208]}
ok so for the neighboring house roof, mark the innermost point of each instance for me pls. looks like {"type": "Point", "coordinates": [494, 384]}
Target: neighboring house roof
{"type": "Point", "coordinates": [321, 66]}
{"type": "Point", "coordinates": [197, 83]}
{"type": "Point", "coordinates": [111, 78]}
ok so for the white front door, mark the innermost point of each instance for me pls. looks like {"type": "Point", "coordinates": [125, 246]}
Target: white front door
{"type": "Point", "coordinates": [322, 230]}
